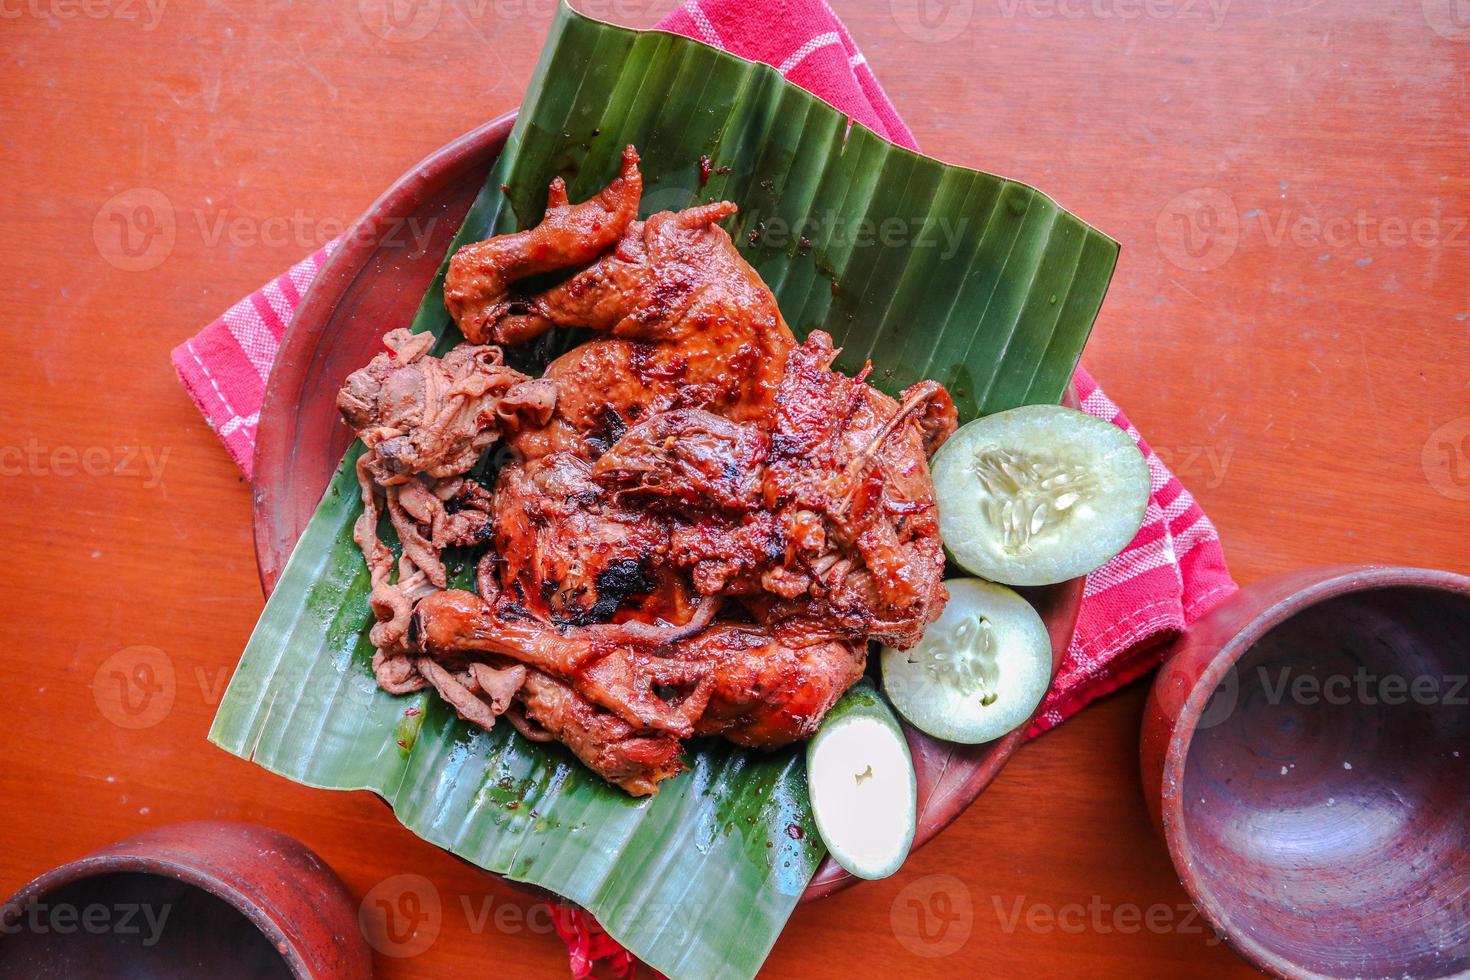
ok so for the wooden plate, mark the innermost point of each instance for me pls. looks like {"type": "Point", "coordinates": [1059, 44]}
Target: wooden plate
{"type": "Point", "coordinates": [372, 283]}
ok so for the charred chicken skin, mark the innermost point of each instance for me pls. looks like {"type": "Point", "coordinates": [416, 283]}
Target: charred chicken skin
{"type": "Point", "coordinates": [703, 523]}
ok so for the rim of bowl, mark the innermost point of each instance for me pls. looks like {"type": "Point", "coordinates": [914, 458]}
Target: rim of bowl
{"type": "Point", "coordinates": [1181, 737]}
{"type": "Point", "coordinates": [106, 863]}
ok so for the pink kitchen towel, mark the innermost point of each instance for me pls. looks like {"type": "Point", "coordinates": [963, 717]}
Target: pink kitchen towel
{"type": "Point", "coordinates": [1173, 572]}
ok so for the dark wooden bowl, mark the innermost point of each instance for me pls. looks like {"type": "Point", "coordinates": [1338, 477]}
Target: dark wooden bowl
{"type": "Point", "coordinates": [207, 899]}
{"type": "Point", "coordinates": [374, 282]}
{"type": "Point", "coordinates": [1306, 754]}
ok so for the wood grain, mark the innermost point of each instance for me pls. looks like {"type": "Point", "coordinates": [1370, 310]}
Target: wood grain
{"type": "Point", "coordinates": [1310, 386]}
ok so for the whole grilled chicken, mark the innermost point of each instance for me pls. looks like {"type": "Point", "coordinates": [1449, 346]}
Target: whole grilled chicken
{"type": "Point", "coordinates": [707, 525]}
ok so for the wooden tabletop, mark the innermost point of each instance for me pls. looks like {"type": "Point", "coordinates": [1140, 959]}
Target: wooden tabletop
{"type": "Point", "coordinates": [1289, 325]}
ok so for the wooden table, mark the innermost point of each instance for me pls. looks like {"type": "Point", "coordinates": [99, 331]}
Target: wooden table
{"type": "Point", "coordinates": [1289, 324]}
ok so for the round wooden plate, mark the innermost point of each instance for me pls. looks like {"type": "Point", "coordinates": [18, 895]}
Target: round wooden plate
{"type": "Point", "coordinates": [372, 283]}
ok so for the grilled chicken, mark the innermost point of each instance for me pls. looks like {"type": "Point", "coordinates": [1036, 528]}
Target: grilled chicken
{"type": "Point", "coordinates": [685, 322]}
{"type": "Point", "coordinates": [704, 524]}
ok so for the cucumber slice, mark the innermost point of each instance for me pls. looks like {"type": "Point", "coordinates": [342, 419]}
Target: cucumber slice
{"type": "Point", "coordinates": [979, 672]}
{"type": "Point", "coordinates": [1038, 494]}
{"type": "Point", "coordinates": [862, 786]}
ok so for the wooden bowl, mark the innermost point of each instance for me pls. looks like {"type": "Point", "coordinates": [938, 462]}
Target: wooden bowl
{"type": "Point", "coordinates": [213, 898]}
{"type": "Point", "coordinates": [1306, 753]}
{"type": "Point", "coordinates": [372, 283]}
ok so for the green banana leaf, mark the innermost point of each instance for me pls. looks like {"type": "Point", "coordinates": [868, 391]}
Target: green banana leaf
{"type": "Point", "coordinates": [926, 269]}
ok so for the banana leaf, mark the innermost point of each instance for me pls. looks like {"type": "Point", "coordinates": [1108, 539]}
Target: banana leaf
{"type": "Point", "coordinates": [926, 269]}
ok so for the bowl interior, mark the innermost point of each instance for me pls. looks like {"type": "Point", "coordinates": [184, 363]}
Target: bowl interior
{"type": "Point", "coordinates": [1324, 791]}
{"type": "Point", "coordinates": [134, 924]}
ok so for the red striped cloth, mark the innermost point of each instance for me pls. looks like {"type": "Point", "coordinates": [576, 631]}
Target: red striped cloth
{"type": "Point", "coordinates": [1172, 573]}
